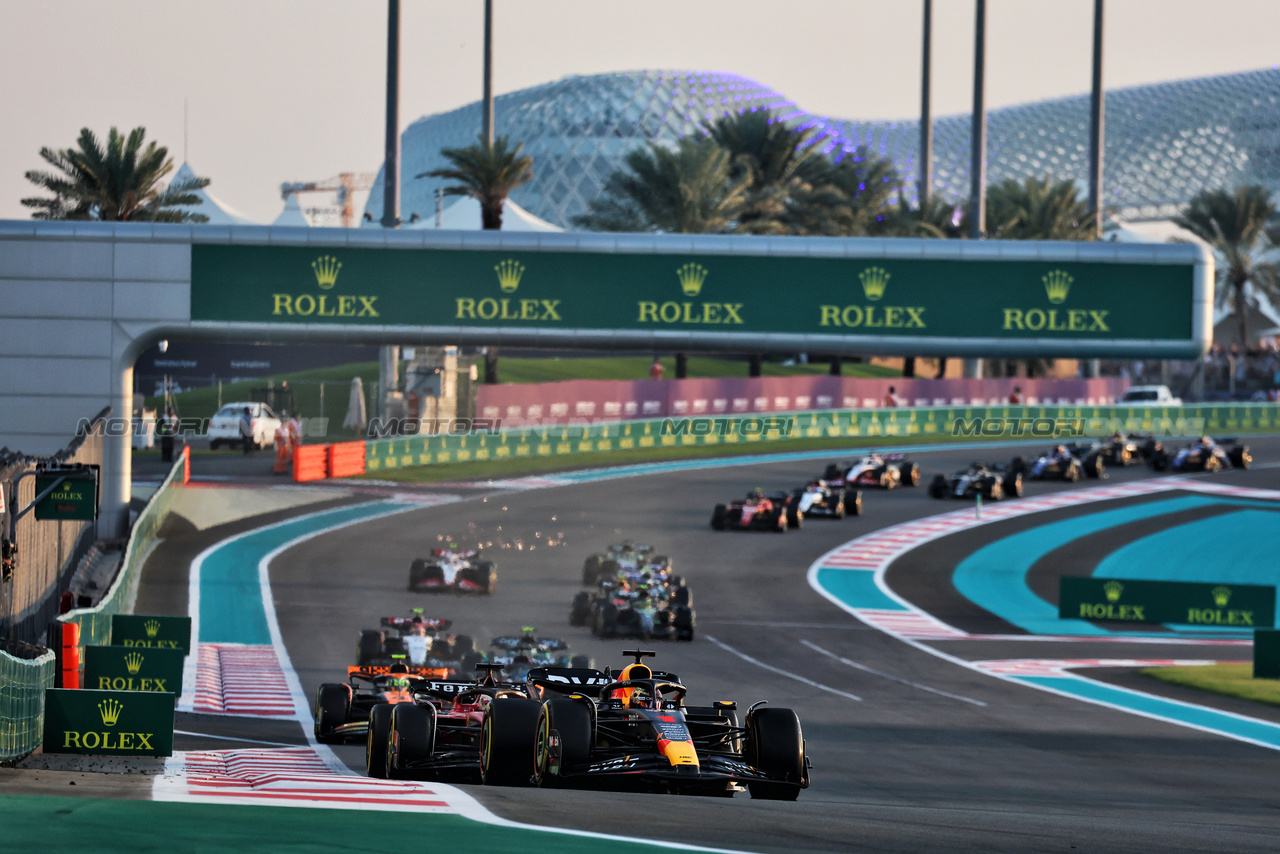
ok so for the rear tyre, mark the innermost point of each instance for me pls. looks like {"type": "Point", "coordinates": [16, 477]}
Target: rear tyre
{"type": "Point", "coordinates": [1095, 466]}
{"type": "Point", "coordinates": [333, 705]}
{"type": "Point", "coordinates": [591, 571]}
{"type": "Point", "coordinates": [683, 621]}
{"type": "Point", "coordinates": [910, 474]}
{"type": "Point", "coordinates": [1240, 457]}
{"type": "Point", "coordinates": [369, 648]}
{"type": "Point", "coordinates": [580, 609]}
{"type": "Point", "coordinates": [938, 486]}
{"type": "Point", "coordinates": [1018, 466]}
{"type": "Point", "coordinates": [417, 572]}
{"type": "Point", "coordinates": [581, 661]}
{"type": "Point", "coordinates": [775, 746]}
{"type": "Point", "coordinates": [1013, 486]}
{"type": "Point", "coordinates": [412, 740]}
{"type": "Point", "coordinates": [507, 742]}
{"type": "Point", "coordinates": [682, 596]}
{"type": "Point", "coordinates": [995, 492]}
{"type": "Point", "coordinates": [853, 505]}
{"type": "Point", "coordinates": [780, 520]}
{"type": "Point", "coordinates": [718, 517]}
{"type": "Point", "coordinates": [375, 748]}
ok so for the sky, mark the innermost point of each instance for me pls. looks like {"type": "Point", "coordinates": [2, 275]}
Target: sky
{"type": "Point", "coordinates": [285, 90]}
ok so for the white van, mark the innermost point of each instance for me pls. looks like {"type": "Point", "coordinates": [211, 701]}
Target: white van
{"type": "Point", "coordinates": [224, 427]}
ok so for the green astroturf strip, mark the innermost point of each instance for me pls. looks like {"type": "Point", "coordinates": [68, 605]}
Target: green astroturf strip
{"type": "Point", "coordinates": [35, 824]}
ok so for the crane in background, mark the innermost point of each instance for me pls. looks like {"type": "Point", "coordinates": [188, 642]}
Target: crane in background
{"type": "Point", "coordinates": [345, 185]}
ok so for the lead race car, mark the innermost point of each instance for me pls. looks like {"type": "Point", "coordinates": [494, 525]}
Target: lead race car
{"type": "Point", "coordinates": [884, 471]}
{"type": "Point", "coordinates": [992, 482]}
{"type": "Point", "coordinates": [634, 731]}
{"type": "Point", "coordinates": [455, 570]}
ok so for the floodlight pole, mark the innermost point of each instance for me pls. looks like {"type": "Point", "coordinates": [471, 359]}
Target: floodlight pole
{"type": "Point", "coordinates": [926, 121]}
{"type": "Point", "coordinates": [391, 160]}
{"type": "Point", "coordinates": [1097, 118]}
{"type": "Point", "coordinates": [487, 122]}
{"type": "Point", "coordinates": [978, 164]}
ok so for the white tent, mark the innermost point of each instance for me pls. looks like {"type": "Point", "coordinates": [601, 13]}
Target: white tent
{"type": "Point", "coordinates": [209, 204]}
{"type": "Point", "coordinates": [292, 213]}
{"type": "Point", "coordinates": [464, 215]}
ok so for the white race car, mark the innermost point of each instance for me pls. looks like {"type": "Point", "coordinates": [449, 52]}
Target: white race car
{"type": "Point", "coordinates": [453, 569]}
{"type": "Point", "coordinates": [881, 470]}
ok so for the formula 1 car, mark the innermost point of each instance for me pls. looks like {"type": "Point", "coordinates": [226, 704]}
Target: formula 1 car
{"type": "Point", "coordinates": [757, 512]}
{"type": "Point", "coordinates": [342, 708]}
{"type": "Point", "coordinates": [992, 482]}
{"type": "Point", "coordinates": [625, 559]}
{"type": "Point", "coordinates": [436, 735]}
{"type": "Point", "coordinates": [453, 569]}
{"type": "Point", "coordinates": [634, 731]}
{"type": "Point", "coordinates": [420, 641]}
{"type": "Point", "coordinates": [526, 651]}
{"type": "Point", "coordinates": [818, 498]}
{"type": "Point", "coordinates": [884, 471]}
{"type": "Point", "coordinates": [1060, 464]}
{"type": "Point", "coordinates": [1120, 450]}
{"type": "Point", "coordinates": [1209, 456]}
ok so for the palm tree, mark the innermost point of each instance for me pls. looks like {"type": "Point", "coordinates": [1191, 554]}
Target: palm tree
{"type": "Point", "coordinates": [1038, 210]}
{"type": "Point", "coordinates": [937, 218]}
{"type": "Point", "coordinates": [117, 184]}
{"type": "Point", "coordinates": [689, 190]}
{"type": "Point", "coordinates": [487, 174]}
{"type": "Point", "coordinates": [1234, 224]}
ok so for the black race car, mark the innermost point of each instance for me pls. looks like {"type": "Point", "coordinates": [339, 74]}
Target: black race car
{"type": "Point", "coordinates": [1209, 456]}
{"type": "Point", "coordinates": [1120, 450]}
{"type": "Point", "coordinates": [1059, 463]}
{"type": "Point", "coordinates": [819, 498]}
{"type": "Point", "coordinates": [520, 653]}
{"type": "Point", "coordinates": [992, 482]}
{"type": "Point", "coordinates": [618, 611]}
{"type": "Point", "coordinates": [634, 731]}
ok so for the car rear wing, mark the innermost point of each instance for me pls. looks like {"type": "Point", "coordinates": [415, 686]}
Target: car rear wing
{"type": "Point", "coordinates": [372, 670]}
{"type": "Point", "coordinates": [568, 680]}
{"type": "Point", "coordinates": [432, 623]}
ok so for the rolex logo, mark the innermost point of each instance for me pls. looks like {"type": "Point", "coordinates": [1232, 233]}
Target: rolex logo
{"type": "Point", "coordinates": [1113, 589]}
{"type": "Point", "coordinates": [509, 273]}
{"type": "Point", "coordinates": [133, 661]}
{"type": "Point", "coordinates": [874, 281]}
{"type": "Point", "coordinates": [1221, 596]}
{"type": "Point", "coordinates": [110, 711]}
{"type": "Point", "coordinates": [691, 277]}
{"type": "Point", "coordinates": [326, 268]}
{"type": "Point", "coordinates": [1056, 284]}
{"type": "Point", "coordinates": [152, 627]}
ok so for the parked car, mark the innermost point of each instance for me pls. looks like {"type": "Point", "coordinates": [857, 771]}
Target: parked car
{"type": "Point", "coordinates": [224, 427]}
{"type": "Point", "coordinates": [1149, 395]}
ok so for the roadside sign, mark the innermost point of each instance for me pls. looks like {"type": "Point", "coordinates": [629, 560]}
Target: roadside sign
{"type": "Point", "coordinates": [75, 499]}
{"type": "Point", "coordinates": [132, 668]}
{"type": "Point", "coordinates": [108, 723]}
{"type": "Point", "coordinates": [151, 630]}
{"type": "Point", "coordinates": [1243, 606]}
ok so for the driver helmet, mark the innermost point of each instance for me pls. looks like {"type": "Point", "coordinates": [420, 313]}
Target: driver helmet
{"type": "Point", "coordinates": [1206, 441]}
{"type": "Point", "coordinates": [640, 699]}
{"type": "Point", "coordinates": [398, 683]}
{"type": "Point", "coordinates": [1061, 450]}
{"type": "Point", "coordinates": [630, 672]}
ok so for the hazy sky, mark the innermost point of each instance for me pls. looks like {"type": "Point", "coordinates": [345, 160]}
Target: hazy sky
{"type": "Point", "coordinates": [283, 90]}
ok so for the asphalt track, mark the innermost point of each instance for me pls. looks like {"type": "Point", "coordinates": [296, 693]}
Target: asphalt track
{"type": "Point", "coordinates": [929, 756]}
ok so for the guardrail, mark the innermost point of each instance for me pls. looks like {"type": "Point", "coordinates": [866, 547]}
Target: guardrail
{"type": "Point", "coordinates": [992, 422]}
{"type": "Point", "coordinates": [22, 685]}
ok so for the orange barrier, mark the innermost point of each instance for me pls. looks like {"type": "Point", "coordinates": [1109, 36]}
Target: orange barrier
{"type": "Point", "coordinates": [69, 656]}
{"type": "Point", "coordinates": [346, 459]}
{"type": "Point", "coordinates": [186, 464]}
{"type": "Point", "coordinates": [310, 462]}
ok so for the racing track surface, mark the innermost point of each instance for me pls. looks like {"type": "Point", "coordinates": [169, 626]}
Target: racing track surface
{"type": "Point", "coordinates": [929, 756]}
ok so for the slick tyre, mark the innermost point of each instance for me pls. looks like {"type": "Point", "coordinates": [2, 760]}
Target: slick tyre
{"type": "Point", "coordinates": [507, 742]}
{"type": "Point", "coordinates": [910, 474]}
{"type": "Point", "coordinates": [417, 573]}
{"type": "Point", "coordinates": [375, 748]}
{"type": "Point", "coordinates": [1240, 457]}
{"type": "Point", "coordinates": [938, 486]}
{"type": "Point", "coordinates": [853, 503]}
{"type": "Point", "coordinates": [412, 739]}
{"type": "Point", "coordinates": [718, 517]}
{"type": "Point", "coordinates": [775, 746]}
{"type": "Point", "coordinates": [333, 705]}
{"type": "Point", "coordinates": [580, 609]}
{"type": "Point", "coordinates": [369, 647]}
{"type": "Point", "coordinates": [1013, 486]}
{"type": "Point", "coordinates": [571, 721]}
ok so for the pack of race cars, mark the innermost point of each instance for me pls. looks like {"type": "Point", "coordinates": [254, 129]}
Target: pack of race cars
{"type": "Point", "coordinates": [633, 593]}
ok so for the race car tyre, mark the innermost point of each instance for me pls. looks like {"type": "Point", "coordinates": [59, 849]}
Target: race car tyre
{"type": "Point", "coordinates": [333, 704]}
{"type": "Point", "coordinates": [606, 621]}
{"type": "Point", "coordinates": [910, 474]}
{"type": "Point", "coordinates": [1095, 466]}
{"type": "Point", "coordinates": [775, 746]}
{"type": "Point", "coordinates": [683, 621]}
{"type": "Point", "coordinates": [1072, 474]}
{"type": "Point", "coordinates": [510, 727]}
{"type": "Point", "coordinates": [1013, 485]}
{"type": "Point", "coordinates": [779, 521]}
{"type": "Point", "coordinates": [591, 570]}
{"type": "Point", "coordinates": [1240, 457]}
{"type": "Point", "coordinates": [832, 472]}
{"type": "Point", "coordinates": [938, 486]}
{"type": "Point", "coordinates": [628, 622]}
{"type": "Point", "coordinates": [853, 506]}
{"type": "Point", "coordinates": [431, 573]}
{"type": "Point", "coordinates": [995, 492]}
{"type": "Point", "coordinates": [582, 661]}
{"type": "Point", "coordinates": [1018, 466]}
{"type": "Point", "coordinates": [571, 721]}
{"type": "Point", "coordinates": [488, 576]}
{"type": "Point", "coordinates": [1159, 459]}
{"type": "Point", "coordinates": [412, 739]}
{"type": "Point", "coordinates": [467, 665]}
{"type": "Point", "coordinates": [417, 573]}
{"type": "Point", "coordinates": [393, 647]}
{"type": "Point", "coordinates": [682, 596]}
{"type": "Point", "coordinates": [375, 748]}
{"type": "Point", "coordinates": [795, 517]}
{"type": "Point", "coordinates": [580, 609]}
{"type": "Point", "coordinates": [369, 649]}
{"type": "Point", "coordinates": [1212, 464]}
{"type": "Point", "coordinates": [718, 517]}
{"type": "Point", "coordinates": [463, 644]}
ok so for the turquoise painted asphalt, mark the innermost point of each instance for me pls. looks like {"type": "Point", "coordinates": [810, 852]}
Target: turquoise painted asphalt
{"type": "Point", "coordinates": [995, 576]}
{"type": "Point", "coordinates": [231, 609]}
{"type": "Point", "coordinates": [857, 589]}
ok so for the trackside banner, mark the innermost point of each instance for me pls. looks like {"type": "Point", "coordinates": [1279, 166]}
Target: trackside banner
{"type": "Point", "coordinates": [133, 668]}
{"type": "Point", "coordinates": [1050, 423]}
{"type": "Point", "coordinates": [151, 630]}
{"type": "Point", "coordinates": [108, 723]}
{"type": "Point", "coordinates": [1243, 606]}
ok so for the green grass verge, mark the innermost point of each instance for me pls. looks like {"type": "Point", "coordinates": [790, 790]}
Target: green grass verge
{"type": "Point", "coordinates": [1229, 680]}
{"type": "Point", "coordinates": [521, 466]}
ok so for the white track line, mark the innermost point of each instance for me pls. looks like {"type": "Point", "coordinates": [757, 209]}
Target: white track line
{"type": "Point", "coordinates": [890, 676]}
{"type": "Point", "coordinates": [781, 672]}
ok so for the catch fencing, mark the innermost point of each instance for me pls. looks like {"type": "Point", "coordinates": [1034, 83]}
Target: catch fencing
{"type": "Point", "coordinates": [25, 672]}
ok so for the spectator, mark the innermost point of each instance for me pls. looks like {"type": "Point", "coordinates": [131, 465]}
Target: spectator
{"type": "Point", "coordinates": [656, 370]}
{"type": "Point", "coordinates": [891, 399]}
{"type": "Point", "coordinates": [167, 427]}
{"type": "Point", "coordinates": [246, 431]}
{"type": "Point", "coordinates": [1015, 396]}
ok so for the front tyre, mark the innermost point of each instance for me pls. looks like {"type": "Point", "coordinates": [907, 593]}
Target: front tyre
{"type": "Point", "coordinates": [412, 739]}
{"type": "Point", "coordinates": [775, 747]}
{"type": "Point", "coordinates": [375, 749]}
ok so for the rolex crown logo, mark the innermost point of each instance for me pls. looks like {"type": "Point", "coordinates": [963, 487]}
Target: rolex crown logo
{"type": "Point", "coordinates": [1056, 284]}
{"type": "Point", "coordinates": [1221, 596]}
{"type": "Point", "coordinates": [110, 711]}
{"type": "Point", "coordinates": [152, 627]}
{"type": "Point", "coordinates": [874, 281]}
{"type": "Point", "coordinates": [509, 273]}
{"type": "Point", "coordinates": [326, 268]}
{"type": "Point", "coordinates": [691, 277]}
{"type": "Point", "coordinates": [133, 661]}
{"type": "Point", "coordinates": [1113, 589]}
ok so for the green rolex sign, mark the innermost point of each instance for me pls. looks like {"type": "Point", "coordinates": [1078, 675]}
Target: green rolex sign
{"type": "Point", "coordinates": [1243, 606]}
{"type": "Point", "coordinates": [108, 723]}
{"type": "Point", "coordinates": [74, 499]}
{"type": "Point", "coordinates": [133, 668]}
{"type": "Point", "coordinates": [148, 630]}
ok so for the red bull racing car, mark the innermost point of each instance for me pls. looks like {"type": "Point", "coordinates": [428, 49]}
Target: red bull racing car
{"type": "Point", "coordinates": [453, 570]}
